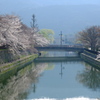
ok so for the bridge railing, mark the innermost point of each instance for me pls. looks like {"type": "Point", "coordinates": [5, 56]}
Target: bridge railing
{"type": "Point", "coordinates": [73, 46]}
{"type": "Point", "coordinates": [64, 46]}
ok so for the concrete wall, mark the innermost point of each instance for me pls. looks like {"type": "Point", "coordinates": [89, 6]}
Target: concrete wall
{"type": "Point", "coordinates": [6, 56]}
{"type": "Point", "coordinates": [90, 60]}
{"type": "Point", "coordinates": [90, 53]}
{"type": "Point", "coordinates": [17, 64]}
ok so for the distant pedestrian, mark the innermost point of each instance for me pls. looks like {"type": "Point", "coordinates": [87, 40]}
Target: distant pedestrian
{"type": "Point", "coordinates": [39, 54]}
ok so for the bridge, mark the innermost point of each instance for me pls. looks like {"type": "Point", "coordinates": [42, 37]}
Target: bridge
{"type": "Point", "coordinates": [62, 47]}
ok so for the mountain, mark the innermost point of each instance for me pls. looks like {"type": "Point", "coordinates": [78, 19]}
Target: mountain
{"type": "Point", "coordinates": [69, 19]}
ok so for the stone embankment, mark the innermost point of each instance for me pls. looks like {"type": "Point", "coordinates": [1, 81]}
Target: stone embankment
{"type": "Point", "coordinates": [91, 57]}
{"type": "Point", "coordinates": [16, 64]}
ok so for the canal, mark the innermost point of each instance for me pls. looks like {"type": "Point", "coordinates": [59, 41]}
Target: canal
{"type": "Point", "coordinates": [66, 77]}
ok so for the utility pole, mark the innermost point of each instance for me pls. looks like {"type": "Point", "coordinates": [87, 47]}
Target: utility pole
{"type": "Point", "coordinates": [61, 38]}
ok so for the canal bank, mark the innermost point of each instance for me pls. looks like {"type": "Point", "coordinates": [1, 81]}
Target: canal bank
{"type": "Point", "coordinates": [12, 67]}
{"type": "Point", "coordinates": [67, 79]}
{"type": "Point", "coordinates": [90, 58]}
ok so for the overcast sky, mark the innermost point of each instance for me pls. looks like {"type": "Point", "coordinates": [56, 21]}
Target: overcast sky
{"type": "Point", "coordinates": [17, 3]}
{"type": "Point", "coordinates": [65, 2]}
{"type": "Point", "coordinates": [50, 2]}
{"type": "Point", "coordinates": [13, 6]}
{"type": "Point", "coordinates": [9, 6]}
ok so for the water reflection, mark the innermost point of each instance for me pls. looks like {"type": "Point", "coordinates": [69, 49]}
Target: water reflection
{"type": "Point", "coordinates": [62, 68]}
{"type": "Point", "coordinates": [26, 84]}
{"type": "Point", "coordinates": [17, 87]}
{"type": "Point", "coordinates": [59, 53]}
{"type": "Point", "coordinates": [79, 98]}
{"type": "Point", "coordinates": [90, 77]}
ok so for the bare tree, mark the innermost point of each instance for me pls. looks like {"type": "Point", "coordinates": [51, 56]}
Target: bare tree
{"type": "Point", "coordinates": [90, 37]}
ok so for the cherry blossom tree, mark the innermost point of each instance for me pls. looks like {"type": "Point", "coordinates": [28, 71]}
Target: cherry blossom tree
{"type": "Point", "coordinates": [17, 37]}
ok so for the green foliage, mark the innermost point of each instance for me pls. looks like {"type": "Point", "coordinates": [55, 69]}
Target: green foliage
{"type": "Point", "coordinates": [50, 66]}
{"type": "Point", "coordinates": [48, 34]}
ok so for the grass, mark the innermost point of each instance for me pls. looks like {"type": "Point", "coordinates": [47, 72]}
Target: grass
{"type": "Point", "coordinates": [9, 66]}
{"type": "Point", "coordinates": [3, 49]}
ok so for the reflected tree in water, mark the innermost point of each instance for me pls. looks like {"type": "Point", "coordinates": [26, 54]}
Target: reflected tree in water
{"type": "Point", "coordinates": [17, 87]}
{"type": "Point", "coordinates": [90, 77]}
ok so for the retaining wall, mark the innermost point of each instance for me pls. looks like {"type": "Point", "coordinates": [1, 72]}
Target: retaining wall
{"type": "Point", "coordinates": [18, 64]}
{"type": "Point", "coordinates": [90, 60]}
